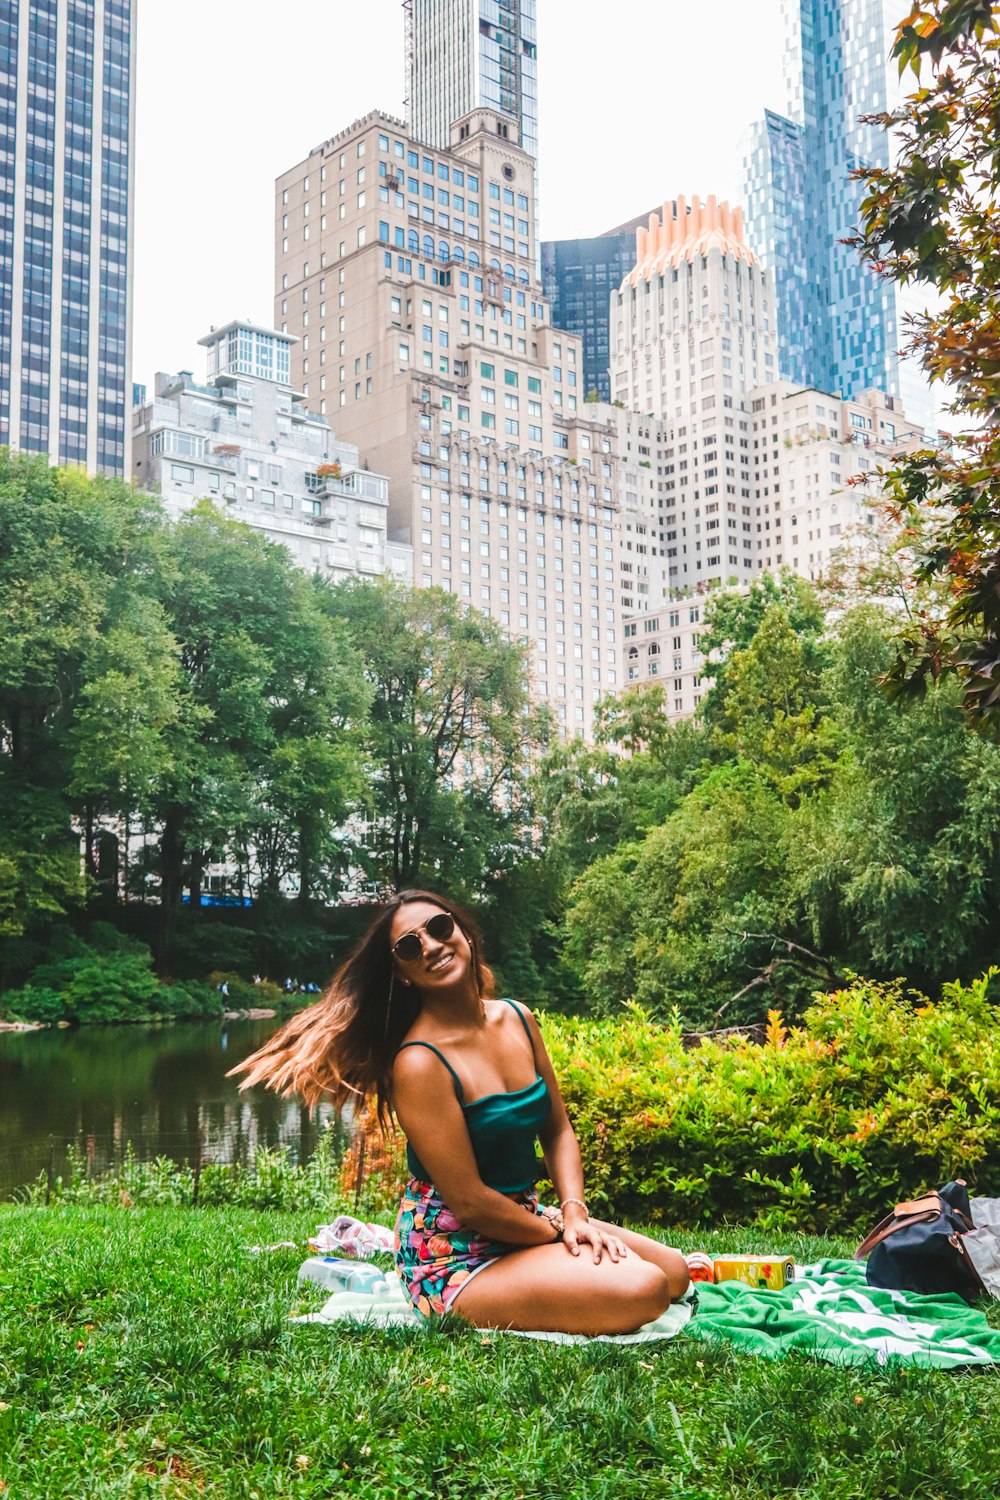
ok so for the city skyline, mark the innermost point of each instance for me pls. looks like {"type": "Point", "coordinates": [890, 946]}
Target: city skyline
{"type": "Point", "coordinates": [204, 210]}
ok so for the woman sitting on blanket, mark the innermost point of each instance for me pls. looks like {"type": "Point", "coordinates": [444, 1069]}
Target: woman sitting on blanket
{"type": "Point", "coordinates": [410, 1023]}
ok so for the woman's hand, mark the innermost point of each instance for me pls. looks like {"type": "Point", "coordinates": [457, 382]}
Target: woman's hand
{"type": "Point", "coordinates": [577, 1233]}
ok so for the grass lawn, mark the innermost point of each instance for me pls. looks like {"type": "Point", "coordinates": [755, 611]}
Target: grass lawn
{"type": "Point", "coordinates": [146, 1352]}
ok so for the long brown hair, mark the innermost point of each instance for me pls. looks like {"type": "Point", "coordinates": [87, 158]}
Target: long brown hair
{"type": "Point", "coordinates": [343, 1047]}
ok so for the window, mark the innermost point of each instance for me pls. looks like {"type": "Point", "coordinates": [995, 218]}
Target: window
{"type": "Point", "coordinates": [182, 473]}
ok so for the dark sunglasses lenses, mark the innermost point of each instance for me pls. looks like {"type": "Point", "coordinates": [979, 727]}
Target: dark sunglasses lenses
{"type": "Point", "coordinates": [440, 928]}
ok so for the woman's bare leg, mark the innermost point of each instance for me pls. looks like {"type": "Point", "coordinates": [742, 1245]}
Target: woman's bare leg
{"type": "Point", "coordinates": [671, 1262]}
{"type": "Point", "coordinates": [547, 1288]}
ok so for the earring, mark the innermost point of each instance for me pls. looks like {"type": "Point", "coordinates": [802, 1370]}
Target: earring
{"type": "Point", "coordinates": [388, 1006]}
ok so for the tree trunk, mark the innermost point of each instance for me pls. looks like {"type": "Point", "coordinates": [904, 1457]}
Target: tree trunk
{"type": "Point", "coordinates": [89, 862]}
{"type": "Point", "coordinates": [171, 876]}
{"type": "Point", "coordinates": [305, 863]}
{"type": "Point", "coordinates": [197, 873]}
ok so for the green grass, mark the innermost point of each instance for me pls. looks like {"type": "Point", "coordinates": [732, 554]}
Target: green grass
{"type": "Point", "coordinates": [146, 1352]}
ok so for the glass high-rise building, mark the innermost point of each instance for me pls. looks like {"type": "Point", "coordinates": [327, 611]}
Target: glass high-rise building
{"type": "Point", "coordinates": [470, 54]}
{"type": "Point", "coordinates": [66, 134]}
{"type": "Point", "coordinates": [579, 277]}
{"type": "Point", "coordinates": [839, 325]}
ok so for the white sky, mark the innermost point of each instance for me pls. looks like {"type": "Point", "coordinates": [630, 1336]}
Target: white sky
{"type": "Point", "coordinates": [639, 100]}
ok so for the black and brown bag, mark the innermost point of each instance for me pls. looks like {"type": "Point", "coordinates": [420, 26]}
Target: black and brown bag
{"type": "Point", "coordinates": [919, 1247]}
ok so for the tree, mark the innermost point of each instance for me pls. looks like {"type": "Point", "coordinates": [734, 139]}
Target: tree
{"type": "Point", "coordinates": [933, 218]}
{"type": "Point", "coordinates": [448, 736]}
{"type": "Point", "coordinates": [265, 756]}
{"type": "Point", "coordinates": [666, 920]}
{"type": "Point", "coordinates": [898, 862]}
{"type": "Point", "coordinates": [769, 709]}
{"type": "Point", "coordinates": [733, 618]}
{"type": "Point", "coordinates": [591, 797]}
{"type": "Point", "coordinates": [88, 683]}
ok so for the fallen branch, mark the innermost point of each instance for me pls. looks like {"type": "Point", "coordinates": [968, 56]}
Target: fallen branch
{"type": "Point", "coordinates": [816, 966]}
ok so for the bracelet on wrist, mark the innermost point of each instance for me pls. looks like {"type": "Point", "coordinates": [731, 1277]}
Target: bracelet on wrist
{"type": "Point", "coordinates": [580, 1203]}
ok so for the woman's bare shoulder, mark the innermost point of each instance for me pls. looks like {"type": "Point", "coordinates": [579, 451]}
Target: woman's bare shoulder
{"type": "Point", "coordinates": [416, 1061]}
{"type": "Point", "coordinates": [507, 1005]}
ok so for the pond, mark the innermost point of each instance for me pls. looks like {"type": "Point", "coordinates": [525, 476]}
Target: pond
{"type": "Point", "coordinates": [161, 1088]}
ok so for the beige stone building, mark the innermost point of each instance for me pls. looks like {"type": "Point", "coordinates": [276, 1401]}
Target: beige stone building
{"type": "Point", "coordinates": [408, 275]}
{"type": "Point", "coordinates": [642, 575]}
{"type": "Point", "coordinates": [692, 331]}
{"type": "Point", "coordinates": [806, 447]}
{"type": "Point", "coordinates": [663, 647]}
{"type": "Point", "coordinates": [747, 473]}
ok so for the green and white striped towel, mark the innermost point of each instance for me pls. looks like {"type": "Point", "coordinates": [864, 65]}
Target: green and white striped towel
{"type": "Point", "coordinates": [832, 1312]}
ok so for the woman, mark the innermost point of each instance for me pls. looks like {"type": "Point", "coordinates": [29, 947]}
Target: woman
{"type": "Point", "coordinates": [410, 1021]}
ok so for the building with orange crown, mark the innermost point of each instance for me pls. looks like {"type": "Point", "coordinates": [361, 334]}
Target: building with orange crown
{"type": "Point", "coordinates": [732, 470]}
{"type": "Point", "coordinates": [691, 334]}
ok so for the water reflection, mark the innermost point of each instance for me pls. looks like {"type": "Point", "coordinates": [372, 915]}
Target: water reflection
{"type": "Point", "coordinates": [162, 1088]}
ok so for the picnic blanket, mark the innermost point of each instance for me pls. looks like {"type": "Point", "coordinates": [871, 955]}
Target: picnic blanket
{"type": "Point", "coordinates": [831, 1311]}
{"type": "Point", "coordinates": [393, 1310]}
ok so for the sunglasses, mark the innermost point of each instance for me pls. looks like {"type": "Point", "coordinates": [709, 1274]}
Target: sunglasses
{"type": "Point", "coordinates": [408, 948]}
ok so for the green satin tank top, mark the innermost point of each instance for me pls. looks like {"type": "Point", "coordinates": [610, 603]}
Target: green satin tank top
{"type": "Point", "coordinates": [503, 1128]}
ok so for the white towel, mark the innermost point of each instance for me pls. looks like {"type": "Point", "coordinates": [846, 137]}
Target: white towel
{"type": "Point", "coordinates": [395, 1311]}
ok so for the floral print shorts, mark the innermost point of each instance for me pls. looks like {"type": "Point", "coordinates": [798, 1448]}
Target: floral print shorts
{"type": "Point", "coordinates": [436, 1255]}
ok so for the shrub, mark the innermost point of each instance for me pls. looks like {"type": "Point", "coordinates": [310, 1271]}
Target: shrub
{"type": "Point", "coordinates": [189, 999]}
{"type": "Point", "coordinates": [108, 979]}
{"type": "Point", "coordinates": [200, 945]}
{"type": "Point", "coordinates": [245, 995]}
{"type": "Point", "coordinates": [111, 987]}
{"type": "Point", "coordinates": [373, 1170]}
{"type": "Point", "coordinates": [874, 1097]}
{"type": "Point", "coordinates": [34, 1003]}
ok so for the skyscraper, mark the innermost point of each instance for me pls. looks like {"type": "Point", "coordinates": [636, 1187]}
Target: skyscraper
{"type": "Point", "coordinates": [66, 132]}
{"type": "Point", "coordinates": [428, 343]}
{"type": "Point", "coordinates": [467, 54]}
{"type": "Point", "coordinates": [579, 277]}
{"type": "Point", "coordinates": [839, 325]}
{"type": "Point", "coordinates": [692, 332]}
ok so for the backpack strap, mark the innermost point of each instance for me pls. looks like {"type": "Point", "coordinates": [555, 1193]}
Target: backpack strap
{"type": "Point", "coordinates": [887, 1226]}
{"type": "Point", "coordinates": [431, 1048]}
{"type": "Point", "coordinates": [914, 1211]}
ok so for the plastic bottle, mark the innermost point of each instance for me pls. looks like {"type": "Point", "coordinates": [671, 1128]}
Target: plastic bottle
{"type": "Point", "coordinates": [700, 1266]}
{"type": "Point", "coordinates": [334, 1274]}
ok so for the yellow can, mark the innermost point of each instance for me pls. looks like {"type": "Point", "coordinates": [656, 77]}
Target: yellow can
{"type": "Point", "coordinates": [767, 1272]}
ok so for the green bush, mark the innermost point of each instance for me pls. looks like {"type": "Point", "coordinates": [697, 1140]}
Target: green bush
{"type": "Point", "coordinates": [109, 978]}
{"type": "Point", "coordinates": [874, 1097]}
{"type": "Point", "coordinates": [34, 1003]}
{"type": "Point", "coordinates": [111, 987]}
{"type": "Point", "coordinates": [198, 945]}
{"type": "Point", "coordinates": [189, 1000]}
{"type": "Point", "coordinates": [245, 995]}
